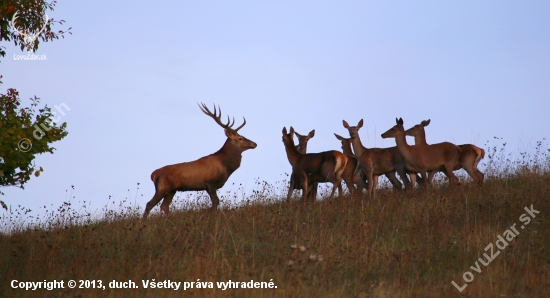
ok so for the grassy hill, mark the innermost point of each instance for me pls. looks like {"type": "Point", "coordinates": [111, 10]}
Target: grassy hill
{"type": "Point", "coordinates": [397, 245]}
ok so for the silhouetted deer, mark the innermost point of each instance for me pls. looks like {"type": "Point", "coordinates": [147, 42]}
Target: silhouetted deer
{"type": "Point", "coordinates": [326, 166]}
{"type": "Point", "coordinates": [377, 161]}
{"type": "Point", "coordinates": [469, 158]}
{"type": "Point", "coordinates": [207, 173]}
{"type": "Point", "coordinates": [425, 158]}
{"type": "Point", "coordinates": [295, 182]}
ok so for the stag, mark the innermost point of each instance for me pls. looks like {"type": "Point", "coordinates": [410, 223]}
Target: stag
{"type": "Point", "coordinates": [424, 158]}
{"type": "Point", "coordinates": [295, 183]}
{"type": "Point", "coordinates": [208, 173]}
{"type": "Point", "coordinates": [377, 161]}
{"type": "Point", "coordinates": [470, 155]}
{"type": "Point", "coordinates": [326, 166]}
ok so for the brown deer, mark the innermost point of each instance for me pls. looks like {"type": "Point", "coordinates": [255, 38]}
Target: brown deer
{"type": "Point", "coordinates": [359, 177]}
{"type": "Point", "coordinates": [295, 183]}
{"type": "Point", "coordinates": [207, 173]}
{"type": "Point", "coordinates": [321, 167]}
{"type": "Point", "coordinates": [376, 161]}
{"type": "Point", "coordinates": [353, 176]}
{"type": "Point", "coordinates": [470, 155]}
{"type": "Point", "coordinates": [424, 158]}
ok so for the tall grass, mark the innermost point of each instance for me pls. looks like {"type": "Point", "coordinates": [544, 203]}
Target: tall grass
{"type": "Point", "coordinates": [396, 245]}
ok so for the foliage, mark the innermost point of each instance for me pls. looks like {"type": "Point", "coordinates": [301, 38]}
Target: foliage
{"type": "Point", "coordinates": [24, 133]}
{"type": "Point", "coordinates": [17, 145]}
{"type": "Point", "coordinates": [30, 19]}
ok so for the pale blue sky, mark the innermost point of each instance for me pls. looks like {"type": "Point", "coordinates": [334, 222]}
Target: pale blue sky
{"type": "Point", "coordinates": [133, 71]}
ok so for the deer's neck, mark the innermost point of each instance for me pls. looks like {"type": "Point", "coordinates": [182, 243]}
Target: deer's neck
{"type": "Point", "coordinates": [230, 155]}
{"type": "Point", "coordinates": [420, 138]}
{"type": "Point", "coordinates": [357, 146]}
{"type": "Point", "coordinates": [346, 147]}
{"type": "Point", "coordinates": [301, 149]}
{"type": "Point", "coordinates": [292, 154]}
{"type": "Point", "coordinates": [403, 147]}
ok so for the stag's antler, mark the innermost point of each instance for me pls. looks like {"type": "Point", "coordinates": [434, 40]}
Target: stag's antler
{"type": "Point", "coordinates": [217, 117]}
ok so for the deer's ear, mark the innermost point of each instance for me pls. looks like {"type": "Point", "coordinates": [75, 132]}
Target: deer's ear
{"type": "Point", "coordinates": [339, 137]}
{"type": "Point", "coordinates": [311, 134]}
{"type": "Point", "coordinates": [360, 124]}
{"type": "Point", "coordinates": [291, 132]}
{"type": "Point", "coordinates": [425, 122]}
{"type": "Point", "coordinates": [230, 133]}
{"type": "Point", "coordinates": [284, 131]}
{"type": "Point", "coordinates": [399, 121]}
{"type": "Point", "coordinates": [346, 125]}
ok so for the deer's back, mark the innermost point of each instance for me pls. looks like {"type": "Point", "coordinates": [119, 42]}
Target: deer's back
{"type": "Point", "coordinates": [193, 175]}
{"type": "Point", "coordinates": [433, 157]}
{"type": "Point", "coordinates": [323, 166]}
{"type": "Point", "coordinates": [312, 162]}
{"type": "Point", "coordinates": [380, 159]}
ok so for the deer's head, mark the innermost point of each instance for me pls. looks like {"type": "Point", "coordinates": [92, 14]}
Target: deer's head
{"type": "Point", "coordinates": [396, 130]}
{"type": "Point", "coordinates": [235, 139]}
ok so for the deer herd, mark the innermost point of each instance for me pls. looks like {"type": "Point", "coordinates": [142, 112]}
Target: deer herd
{"type": "Point", "coordinates": [359, 168]}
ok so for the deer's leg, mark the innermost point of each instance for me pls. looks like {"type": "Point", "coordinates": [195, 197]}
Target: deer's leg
{"type": "Point", "coordinates": [305, 188]}
{"type": "Point", "coordinates": [375, 185]}
{"type": "Point", "coordinates": [404, 177]}
{"type": "Point", "coordinates": [153, 202]}
{"type": "Point", "coordinates": [418, 179]}
{"type": "Point", "coordinates": [349, 185]}
{"type": "Point", "coordinates": [360, 183]}
{"type": "Point", "coordinates": [364, 180]}
{"type": "Point", "coordinates": [372, 184]}
{"type": "Point", "coordinates": [480, 177]}
{"type": "Point", "coordinates": [373, 181]}
{"type": "Point", "coordinates": [469, 165]}
{"type": "Point", "coordinates": [212, 191]}
{"type": "Point", "coordinates": [472, 173]}
{"type": "Point", "coordinates": [340, 190]}
{"type": "Point", "coordinates": [414, 178]}
{"type": "Point", "coordinates": [479, 174]}
{"type": "Point", "coordinates": [165, 206]}
{"type": "Point", "coordinates": [291, 187]}
{"type": "Point", "coordinates": [424, 175]}
{"type": "Point", "coordinates": [337, 183]}
{"type": "Point", "coordinates": [394, 181]}
{"type": "Point", "coordinates": [453, 180]}
{"type": "Point", "coordinates": [312, 192]}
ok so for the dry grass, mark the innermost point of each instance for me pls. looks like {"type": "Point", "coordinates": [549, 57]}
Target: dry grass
{"type": "Point", "coordinates": [398, 245]}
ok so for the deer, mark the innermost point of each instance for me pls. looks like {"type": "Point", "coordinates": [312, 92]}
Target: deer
{"type": "Point", "coordinates": [208, 173]}
{"type": "Point", "coordinates": [470, 155]}
{"type": "Point", "coordinates": [295, 183]}
{"type": "Point", "coordinates": [352, 176]}
{"type": "Point", "coordinates": [425, 158]}
{"type": "Point", "coordinates": [320, 167]}
{"type": "Point", "coordinates": [359, 177]}
{"type": "Point", "coordinates": [376, 161]}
